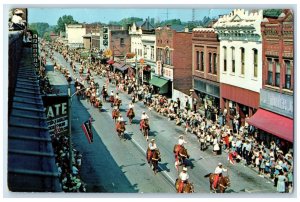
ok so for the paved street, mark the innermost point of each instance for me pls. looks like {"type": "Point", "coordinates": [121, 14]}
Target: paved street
{"type": "Point", "coordinates": [114, 166]}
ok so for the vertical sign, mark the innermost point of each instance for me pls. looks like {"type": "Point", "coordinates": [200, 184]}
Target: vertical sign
{"type": "Point", "coordinates": [35, 51]}
{"type": "Point", "coordinates": [57, 113]}
{"type": "Point", "coordinates": [158, 67]}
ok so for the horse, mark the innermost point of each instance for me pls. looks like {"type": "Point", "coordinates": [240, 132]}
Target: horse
{"type": "Point", "coordinates": [130, 115]}
{"type": "Point", "coordinates": [181, 154]}
{"type": "Point", "coordinates": [145, 128]}
{"type": "Point", "coordinates": [153, 158]}
{"type": "Point", "coordinates": [188, 188]}
{"type": "Point", "coordinates": [98, 104]}
{"type": "Point", "coordinates": [117, 102]}
{"type": "Point", "coordinates": [222, 185]}
{"type": "Point", "coordinates": [120, 128]}
{"type": "Point", "coordinates": [115, 114]}
{"type": "Point", "coordinates": [104, 94]}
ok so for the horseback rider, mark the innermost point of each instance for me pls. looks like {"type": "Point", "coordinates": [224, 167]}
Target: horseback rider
{"type": "Point", "coordinates": [120, 118]}
{"type": "Point", "coordinates": [181, 141]}
{"type": "Point", "coordinates": [131, 106]}
{"type": "Point", "coordinates": [218, 173]}
{"type": "Point", "coordinates": [151, 148]}
{"type": "Point", "coordinates": [183, 177]}
{"type": "Point", "coordinates": [143, 117]}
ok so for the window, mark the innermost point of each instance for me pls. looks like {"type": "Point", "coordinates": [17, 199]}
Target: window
{"type": "Point", "coordinates": [225, 58]}
{"type": "Point", "coordinates": [287, 74]}
{"type": "Point", "coordinates": [233, 59]}
{"type": "Point", "coordinates": [255, 60]}
{"type": "Point", "coordinates": [215, 63]}
{"type": "Point", "coordinates": [202, 61]}
{"type": "Point", "coordinates": [168, 62]}
{"type": "Point", "coordinates": [159, 54]}
{"type": "Point", "coordinates": [209, 63]}
{"type": "Point", "coordinates": [270, 71]}
{"type": "Point", "coordinates": [277, 73]}
{"type": "Point", "coordinates": [145, 50]}
{"type": "Point", "coordinates": [122, 41]}
{"type": "Point", "coordinates": [152, 52]}
{"type": "Point", "coordinates": [197, 60]}
{"type": "Point", "coordinates": [242, 61]}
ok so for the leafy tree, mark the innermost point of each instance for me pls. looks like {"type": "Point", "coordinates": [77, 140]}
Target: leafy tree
{"type": "Point", "coordinates": [272, 13]}
{"type": "Point", "coordinates": [66, 19]}
{"type": "Point", "coordinates": [130, 20]}
{"type": "Point", "coordinates": [47, 36]}
{"type": "Point", "coordinates": [40, 27]}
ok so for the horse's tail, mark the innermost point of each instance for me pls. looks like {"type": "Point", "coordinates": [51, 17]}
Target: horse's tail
{"type": "Point", "coordinates": [207, 175]}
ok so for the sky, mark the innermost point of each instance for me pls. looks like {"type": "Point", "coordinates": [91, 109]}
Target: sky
{"type": "Point", "coordinates": [105, 15]}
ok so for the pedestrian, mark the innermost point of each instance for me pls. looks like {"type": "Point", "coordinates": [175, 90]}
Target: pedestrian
{"type": "Point", "coordinates": [281, 182]}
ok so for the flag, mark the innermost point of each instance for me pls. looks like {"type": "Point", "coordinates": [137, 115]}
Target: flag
{"type": "Point", "coordinates": [87, 129]}
{"type": "Point", "coordinates": [230, 158]}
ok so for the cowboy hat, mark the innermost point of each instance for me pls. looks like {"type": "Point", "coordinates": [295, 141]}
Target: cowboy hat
{"type": "Point", "coordinates": [18, 11]}
{"type": "Point", "coordinates": [152, 140]}
{"type": "Point", "coordinates": [184, 168]}
{"type": "Point", "coordinates": [219, 164]}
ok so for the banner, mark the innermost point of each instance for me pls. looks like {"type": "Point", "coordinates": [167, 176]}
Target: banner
{"type": "Point", "coordinates": [57, 113]}
{"type": "Point", "coordinates": [87, 129]}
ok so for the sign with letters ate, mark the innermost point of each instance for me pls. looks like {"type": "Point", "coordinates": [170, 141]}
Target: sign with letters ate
{"type": "Point", "coordinates": [57, 113]}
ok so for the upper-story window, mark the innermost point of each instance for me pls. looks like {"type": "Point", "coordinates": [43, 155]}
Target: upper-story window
{"type": "Point", "coordinates": [225, 58]}
{"type": "Point", "coordinates": [168, 60]}
{"type": "Point", "coordinates": [215, 63]}
{"type": "Point", "coordinates": [122, 42]}
{"type": "Point", "coordinates": [277, 73]}
{"type": "Point", "coordinates": [197, 60]}
{"type": "Point", "coordinates": [255, 62]}
{"type": "Point", "coordinates": [270, 71]}
{"type": "Point", "coordinates": [202, 61]}
{"type": "Point", "coordinates": [288, 74]}
{"type": "Point", "coordinates": [145, 51]}
{"type": "Point", "coordinates": [232, 59]}
{"type": "Point", "coordinates": [152, 53]}
{"type": "Point", "coordinates": [209, 63]}
{"type": "Point", "coordinates": [159, 54]}
{"type": "Point", "coordinates": [242, 61]}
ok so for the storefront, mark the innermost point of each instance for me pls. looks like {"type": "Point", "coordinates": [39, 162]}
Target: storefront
{"type": "Point", "coordinates": [238, 100]}
{"type": "Point", "coordinates": [208, 93]}
{"type": "Point", "coordinates": [146, 74]}
{"type": "Point", "coordinates": [161, 85]}
{"type": "Point", "coordinates": [275, 119]}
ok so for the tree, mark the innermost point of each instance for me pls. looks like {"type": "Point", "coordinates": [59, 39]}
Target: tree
{"type": "Point", "coordinates": [125, 21]}
{"type": "Point", "coordinates": [47, 36]}
{"type": "Point", "coordinates": [40, 27]}
{"type": "Point", "coordinates": [66, 19]}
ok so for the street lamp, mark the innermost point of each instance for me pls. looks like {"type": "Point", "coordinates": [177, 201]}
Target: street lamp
{"type": "Point", "coordinates": [69, 120]}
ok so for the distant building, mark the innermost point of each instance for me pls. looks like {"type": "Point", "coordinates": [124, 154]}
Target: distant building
{"type": "Point", "coordinates": [74, 35]}
{"type": "Point", "coordinates": [240, 62]}
{"type": "Point", "coordinates": [275, 115]}
{"type": "Point", "coordinates": [173, 72]}
{"type": "Point", "coordinates": [53, 36]}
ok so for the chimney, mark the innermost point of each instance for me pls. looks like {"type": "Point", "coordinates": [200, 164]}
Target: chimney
{"type": "Point", "coordinates": [186, 29]}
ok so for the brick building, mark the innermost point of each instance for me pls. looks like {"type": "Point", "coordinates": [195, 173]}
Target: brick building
{"type": "Point", "coordinates": [174, 61]}
{"type": "Point", "coordinates": [206, 78]}
{"type": "Point", "coordinates": [274, 117]}
{"type": "Point", "coordinates": [120, 43]}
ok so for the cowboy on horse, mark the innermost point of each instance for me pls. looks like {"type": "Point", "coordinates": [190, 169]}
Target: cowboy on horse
{"type": "Point", "coordinates": [111, 98]}
{"type": "Point", "coordinates": [151, 148]}
{"type": "Point", "coordinates": [179, 156]}
{"type": "Point", "coordinates": [130, 113]}
{"type": "Point", "coordinates": [183, 180]}
{"type": "Point", "coordinates": [104, 93]}
{"type": "Point", "coordinates": [98, 104]}
{"type": "Point", "coordinates": [117, 101]}
{"type": "Point", "coordinates": [144, 124]}
{"type": "Point", "coordinates": [153, 155]}
{"type": "Point", "coordinates": [115, 113]}
{"type": "Point", "coordinates": [218, 174]}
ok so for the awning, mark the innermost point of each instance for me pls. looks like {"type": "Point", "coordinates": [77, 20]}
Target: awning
{"type": "Point", "coordinates": [158, 81]}
{"type": "Point", "coordinates": [275, 124]}
{"type": "Point", "coordinates": [122, 67]}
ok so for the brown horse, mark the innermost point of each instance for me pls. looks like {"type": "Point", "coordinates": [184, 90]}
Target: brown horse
{"type": "Point", "coordinates": [181, 154]}
{"type": "Point", "coordinates": [188, 187]}
{"type": "Point", "coordinates": [120, 128]}
{"type": "Point", "coordinates": [222, 185]}
{"type": "Point", "coordinates": [153, 158]}
{"type": "Point", "coordinates": [145, 128]}
{"type": "Point", "coordinates": [115, 114]}
{"type": "Point", "coordinates": [130, 115]}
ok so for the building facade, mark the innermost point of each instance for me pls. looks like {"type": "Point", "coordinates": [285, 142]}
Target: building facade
{"type": "Point", "coordinates": [174, 60]}
{"type": "Point", "coordinates": [240, 62]}
{"type": "Point", "coordinates": [119, 44]}
{"type": "Point", "coordinates": [276, 95]}
{"type": "Point", "coordinates": [74, 35]}
{"type": "Point", "coordinates": [206, 79]}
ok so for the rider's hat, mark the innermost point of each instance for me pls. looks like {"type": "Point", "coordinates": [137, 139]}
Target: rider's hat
{"type": "Point", "coordinates": [144, 112]}
{"type": "Point", "coordinates": [152, 140]}
{"type": "Point", "coordinates": [180, 136]}
{"type": "Point", "coordinates": [184, 168]}
{"type": "Point", "coordinates": [219, 164]}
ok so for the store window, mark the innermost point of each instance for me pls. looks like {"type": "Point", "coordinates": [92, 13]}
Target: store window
{"type": "Point", "coordinates": [197, 60]}
{"type": "Point", "coordinates": [233, 59]}
{"type": "Point", "coordinates": [242, 61]}
{"type": "Point", "coordinates": [287, 74]}
{"type": "Point", "coordinates": [202, 61]}
{"type": "Point", "coordinates": [215, 63]}
{"type": "Point", "coordinates": [270, 71]}
{"type": "Point", "coordinates": [277, 73]}
{"type": "Point", "coordinates": [255, 59]}
{"type": "Point", "coordinates": [225, 58]}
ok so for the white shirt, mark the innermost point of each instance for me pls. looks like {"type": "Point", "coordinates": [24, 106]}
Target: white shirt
{"type": "Point", "coordinates": [17, 19]}
{"type": "Point", "coordinates": [184, 176]}
{"type": "Point", "coordinates": [181, 141]}
{"type": "Point", "coordinates": [131, 106]}
{"type": "Point", "coordinates": [219, 170]}
{"type": "Point", "coordinates": [152, 146]}
{"type": "Point", "coordinates": [145, 116]}
{"type": "Point", "coordinates": [117, 97]}
{"type": "Point", "coordinates": [111, 94]}
{"type": "Point", "coordinates": [120, 118]}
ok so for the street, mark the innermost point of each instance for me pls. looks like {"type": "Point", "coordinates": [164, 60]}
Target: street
{"type": "Point", "coordinates": [116, 166]}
